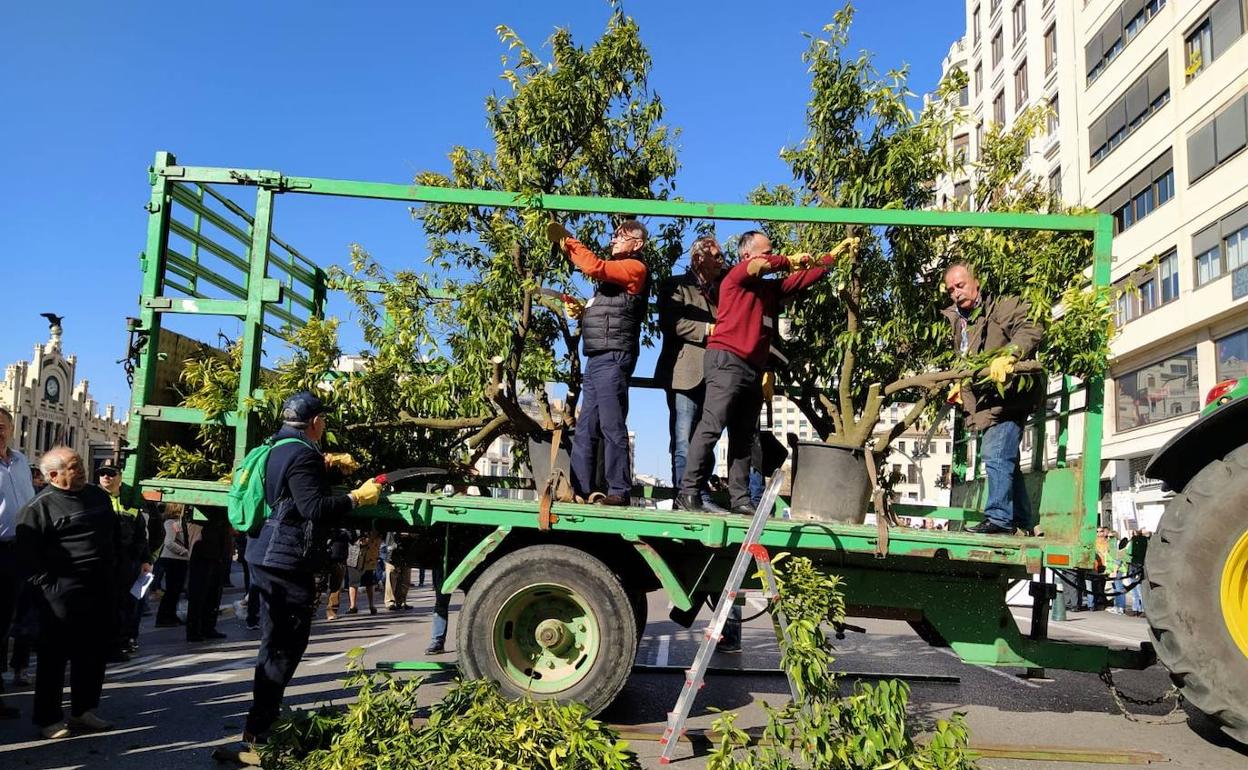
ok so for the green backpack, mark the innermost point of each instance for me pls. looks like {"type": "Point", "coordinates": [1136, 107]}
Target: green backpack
{"type": "Point", "coordinates": [247, 507]}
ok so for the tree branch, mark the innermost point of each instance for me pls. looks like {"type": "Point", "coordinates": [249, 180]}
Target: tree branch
{"type": "Point", "coordinates": [435, 423]}
{"type": "Point", "coordinates": [932, 380]}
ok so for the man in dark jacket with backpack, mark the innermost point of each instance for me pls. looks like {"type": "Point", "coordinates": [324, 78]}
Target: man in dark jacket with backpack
{"type": "Point", "coordinates": [286, 552]}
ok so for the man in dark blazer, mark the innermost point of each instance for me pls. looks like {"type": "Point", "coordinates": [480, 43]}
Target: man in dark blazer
{"type": "Point", "coordinates": [687, 305]}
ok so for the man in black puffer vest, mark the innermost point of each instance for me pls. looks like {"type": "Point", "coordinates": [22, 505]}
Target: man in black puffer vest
{"type": "Point", "coordinates": [610, 332]}
{"type": "Point", "coordinates": [287, 552]}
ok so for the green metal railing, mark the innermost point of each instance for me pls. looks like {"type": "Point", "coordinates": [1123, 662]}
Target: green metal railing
{"type": "Point", "coordinates": [285, 286]}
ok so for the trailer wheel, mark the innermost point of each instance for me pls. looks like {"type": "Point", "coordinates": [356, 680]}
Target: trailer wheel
{"type": "Point", "coordinates": [1196, 591]}
{"type": "Point", "coordinates": [551, 622]}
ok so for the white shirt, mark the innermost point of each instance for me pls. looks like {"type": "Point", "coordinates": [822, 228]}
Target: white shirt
{"type": "Point", "coordinates": [16, 490]}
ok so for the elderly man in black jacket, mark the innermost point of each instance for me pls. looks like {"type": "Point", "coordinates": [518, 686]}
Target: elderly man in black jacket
{"type": "Point", "coordinates": [286, 553]}
{"type": "Point", "coordinates": [687, 305]}
{"type": "Point", "coordinates": [67, 541]}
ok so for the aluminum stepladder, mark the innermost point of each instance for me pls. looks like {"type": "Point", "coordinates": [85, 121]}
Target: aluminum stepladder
{"type": "Point", "coordinates": [695, 675]}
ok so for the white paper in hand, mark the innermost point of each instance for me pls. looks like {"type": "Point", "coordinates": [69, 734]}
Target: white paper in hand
{"type": "Point", "coordinates": [141, 584]}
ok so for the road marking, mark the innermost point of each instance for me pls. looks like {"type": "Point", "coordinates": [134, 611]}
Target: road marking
{"type": "Point", "coordinates": [1088, 631]}
{"type": "Point", "coordinates": [383, 640]}
{"type": "Point", "coordinates": [177, 661]}
{"type": "Point", "coordinates": [991, 670]}
{"type": "Point", "coordinates": [660, 656]}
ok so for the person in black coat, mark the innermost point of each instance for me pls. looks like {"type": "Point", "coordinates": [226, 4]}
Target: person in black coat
{"type": "Point", "coordinates": [288, 551]}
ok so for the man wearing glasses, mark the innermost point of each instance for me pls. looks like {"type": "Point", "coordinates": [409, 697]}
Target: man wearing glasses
{"type": "Point", "coordinates": [736, 356]}
{"type": "Point", "coordinates": [610, 333]}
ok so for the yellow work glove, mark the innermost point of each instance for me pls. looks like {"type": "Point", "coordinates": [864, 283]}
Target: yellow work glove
{"type": "Point", "coordinates": [366, 494]}
{"type": "Point", "coordinates": [955, 394]}
{"type": "Point", "coordinates": [558, 234]}
{"type": "Point", "coordinates": [799, 262]}
{"type": "Point", "coordinates": [1000, 368]}
{"type": "Point", "coordinates": [769, 385]}
{"type": "Point", "coordinates": [341, 461]}
{"type": "Point", "coordinates": [572, 308]}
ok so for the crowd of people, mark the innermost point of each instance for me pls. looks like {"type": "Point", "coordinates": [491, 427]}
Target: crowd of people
{"type": "Point", "coordinates": [1114, 584]}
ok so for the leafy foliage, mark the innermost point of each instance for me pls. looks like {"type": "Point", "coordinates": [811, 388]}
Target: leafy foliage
{"type": "Point", "coordinates": [877, 321]}
{"type": "Point", "coordinates": [473, 726]}
{"type": "Point", "coordinates": [865, 730]}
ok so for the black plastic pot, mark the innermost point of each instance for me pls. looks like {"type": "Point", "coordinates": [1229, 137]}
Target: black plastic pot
{"type": "Point", "coordinates": [539, 456]}
{"type": "Point", "coordinates": [830, 483]}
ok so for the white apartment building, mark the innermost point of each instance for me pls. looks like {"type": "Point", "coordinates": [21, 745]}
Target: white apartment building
{"type": "Point", "coordinates": [1151, 120]}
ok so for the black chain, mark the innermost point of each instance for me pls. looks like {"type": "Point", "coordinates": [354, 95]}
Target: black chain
{"type": "Point", "coordinates": [1121, 699]}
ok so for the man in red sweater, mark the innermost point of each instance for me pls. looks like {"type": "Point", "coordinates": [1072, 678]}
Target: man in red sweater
{"type": "Point", "coordinates": [735, 358]}
{"type": "Point", "coordinates": [610, 332]}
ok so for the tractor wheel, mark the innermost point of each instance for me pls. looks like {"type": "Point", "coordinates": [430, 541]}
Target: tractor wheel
{"type": "Point", "coordinates": [551, 622]}
{"type": "Point", "coordinates": [1196, 591]}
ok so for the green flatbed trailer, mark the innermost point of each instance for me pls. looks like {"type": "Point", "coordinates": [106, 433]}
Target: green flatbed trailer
{"type": "Point", "coordinates": [556, 607]}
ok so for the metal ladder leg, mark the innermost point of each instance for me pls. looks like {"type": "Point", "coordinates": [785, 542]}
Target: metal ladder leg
{"type": "Point", "coordinates": [695, 675]}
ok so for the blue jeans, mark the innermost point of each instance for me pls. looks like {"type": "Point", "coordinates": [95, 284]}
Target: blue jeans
{"type": "Point", "coordinates": [604, 416]}
{"type": "Point", "coordinates": [757, 485]}
{"type": "Point", "coordinates": [1007, 495]}
{"type": "Point", "coordinates": [684, 409]}
{"type": "Point", "coordinates": [441, 609]}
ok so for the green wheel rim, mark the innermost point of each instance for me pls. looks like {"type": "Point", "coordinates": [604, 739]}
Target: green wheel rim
{"type": "Point", "coordinates": [546, 638]}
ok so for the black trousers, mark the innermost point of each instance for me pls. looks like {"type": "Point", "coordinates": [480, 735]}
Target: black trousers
{"type": "Point", "coordinates": [734, 394]}
{"type": "Point", "coordinates": [73, 630]}
{"type": "Point", "coordinates": [285, 625]}
{"type": "Point", "coordinates": [10, 585]}
{"type": "Point", "coordinates": [205, 578]}
{"type": "Point", "coordinates": [175, 580]}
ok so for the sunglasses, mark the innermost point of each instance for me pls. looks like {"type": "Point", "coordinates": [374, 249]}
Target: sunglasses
{"type": "Point", "coordinates": [109, 474]}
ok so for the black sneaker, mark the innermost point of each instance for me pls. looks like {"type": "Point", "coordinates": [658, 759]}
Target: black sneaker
{"type": "Point", "coordinates": [435, 648]}
{"type": "Point", "coordinates": [728, 648]}
{"type": "Point", "coordinates": [744, 510]}
{"type": "Point", "coordinates": [986, 527]}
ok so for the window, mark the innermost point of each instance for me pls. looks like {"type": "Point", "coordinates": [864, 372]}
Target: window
{"type": "Point", "coordinates": [975, 24]}
{"type": "Point", "coordinates": [1020, 20]}
{"type": "Point", "coordinates": [901, 446]}
{"type": "Point", "coordinates": [1123, 25]}
{"type": "Point", "coordinates": [1218, 140]}
{"type": "Point", "coordinates": [962, 194]}
{"type": "Point", "coordinates": [979, 79]}
{"type": "Point", "coordinates": [1165, 389]}
{"type": "Point", "coordinates": [912, 474]}
{"type": "Point", "coordinates": [960, 145]}
{"type": "Point", "coordinates": [1055, 182]}
{"type": "Point", "coordinates": [1168, 276]}
{"type": "Point", "coordinates": [1050, 49]}
{"type": "Point", "coordinates": [1165, 187]}
{"type": "Point", "coordinates": [1210, 37]}
{"type": "Point", "coordinates": [998, 48]}
{"type": "Point", "coordinates": [993, 7]}
{"type": "Point", "coordinates": [1236, 249]}
{"type": "Point", "coordinates": [1152, 186]}
{"type": "Point", "coordinates": [1124, 308]}
{"type": "Point", "coordinates": [1232, 351]}
{"type": "Point", "coordinates": [979, 139]}
{"type": "Point", "coordinates": [1198, 49]}
{"type": "Point", "coordinates": [22, 438]}
{"type": "Point", "coordinates": [1020, 87]}
{"type": "Point", "coordinates": [1052, 123]}
{"type": "Point", "coordinates": [1208, 265]}
{"type": "Point", "coordinates": [1221, 247]}
{"type": "Point", "coordinates": [998, 107]}
{"type": "Point", "coordinates": [1142, 99]}
{"type": "Point", "coordinates": [964, 96]}
{"type": "Point", "coordinates": [1148, 296]}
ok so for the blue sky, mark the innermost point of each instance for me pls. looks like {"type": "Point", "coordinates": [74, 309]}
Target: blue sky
{"type": "Point", "coordinates": [374, 91]}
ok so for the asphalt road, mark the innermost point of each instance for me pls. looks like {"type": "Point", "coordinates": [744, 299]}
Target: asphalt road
{"type": "Point", "coordinates": [174, 701]}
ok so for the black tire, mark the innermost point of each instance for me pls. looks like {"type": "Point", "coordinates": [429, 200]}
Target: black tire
{"type": "Point", "coordinates": [550, 565]}
{"type": "Point", "coordinates": [1182, 599]}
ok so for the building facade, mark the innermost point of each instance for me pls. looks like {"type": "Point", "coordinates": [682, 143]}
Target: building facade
{"type": "Point", "coordinates": [50, 410]}
{"type": "Point", "coordinates": [1150, 101]}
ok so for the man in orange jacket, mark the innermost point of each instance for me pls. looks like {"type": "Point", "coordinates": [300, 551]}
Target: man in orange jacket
{"type": "Point", "coordinates": [610, 333]}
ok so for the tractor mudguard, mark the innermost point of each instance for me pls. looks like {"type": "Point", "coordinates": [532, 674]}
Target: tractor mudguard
{"type": "Point", "coordinates": [1212, 437]}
